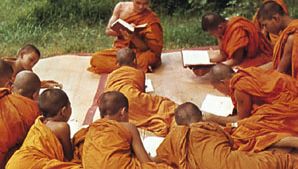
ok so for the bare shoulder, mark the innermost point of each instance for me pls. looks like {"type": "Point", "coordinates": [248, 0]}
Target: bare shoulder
{"type": "Point", "coordinates": [131, 127]}
{"type": "Point", "coordinates": [290, 39]}
{"type": "Point", "coordinates": [58, 128]}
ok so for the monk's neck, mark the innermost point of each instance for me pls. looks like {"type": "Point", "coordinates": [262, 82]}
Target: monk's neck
{"type": "Point", "coordinates": [17, 67]}
{"type": "Point", "coordinates": [286, 20]}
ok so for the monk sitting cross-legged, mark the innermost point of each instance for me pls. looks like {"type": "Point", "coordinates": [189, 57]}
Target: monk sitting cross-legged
{"type": "Point", "coordinates": [285, 54]}
{"type": "Point", "coordinates": [240, 43]}
{"type": "Point", "coordinates": [148, 111]}
{"type": "Point", "coordinates": [112, 142]}
{"type": "Point", "coordinates": [147, 43]}
{"type": "Point", "coordinates": [47, 144]}
{"type": "Point", "coordinates": [266, 103]}
{"type": "Point", "coordinates": [17, 115]}
{"type": "Point", "coordinates": [195, 144]}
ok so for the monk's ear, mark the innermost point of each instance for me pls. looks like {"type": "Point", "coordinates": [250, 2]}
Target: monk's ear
{"type": "Point", "coordinates": [276, 18]}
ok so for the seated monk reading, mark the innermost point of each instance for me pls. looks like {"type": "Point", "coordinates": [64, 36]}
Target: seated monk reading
{"type": "Point", "coordinates": [148, 111]}
{"type": "Point", "coordinates": [285, 54]}
{"type": "Point", "coordinates": [47, 144]}
{"type": "Point", "coordinates": [26, 58]}
{"type": "Point", "coordinates": [111, 141]}
{"type": "Point", "coordinates": [17, 115]}
{"type": "Point", "coordinates": [270, 36]}
{"type": "Point", "coordinates": [240, 43]}
{"type": "Point", "coordinates": [147, 42]}
{"type": "Point", "coordinates": [266, 102]}
{"type": "Point", "coordinates": [195, 144]}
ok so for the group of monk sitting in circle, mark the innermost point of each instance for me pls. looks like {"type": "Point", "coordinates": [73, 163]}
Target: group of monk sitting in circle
{"type": "Point", "coordinates": [262, 133]}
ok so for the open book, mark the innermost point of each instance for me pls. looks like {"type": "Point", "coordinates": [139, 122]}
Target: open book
{"type": "Point", "coordinates": [121, 24]}
{"type": "Point", "coordinates": [195, 58]}
{"type": "Point", "coordinates": [218, 105]}
{"type": "Point", "coordinates": [148, 86]}
{"type": "Point", "coordinates": [151, 143]}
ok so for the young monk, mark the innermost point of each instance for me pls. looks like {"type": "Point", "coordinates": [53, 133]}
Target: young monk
{"type": "Point", "coordinates": [26, 58]}
{"type": "Point", "coordinates": [149, 111]}
{"type": "Point", "coordinates": [17, 115]}
{"type": "Point", "coordinates": [147, 43]}
{"type": "Point", "coordinates": [240, 43]}
{"type": "Point", "coordinates": [275, 20]}
{"type": "Point", "coordinates": [195, 144]}
{"type": "Point", "coordinates": [47, 144]}
{"type": "Point", "coordinates": [266, 103]}
{"type": "Point", "coordinates": [27, 84]}
{"type": "Point", "coordinates": [112, 142]}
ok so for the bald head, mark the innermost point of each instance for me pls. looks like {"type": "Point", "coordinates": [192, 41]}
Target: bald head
{"type": "Point", "coordinates": [29, 48]}
{"type": "Point", "coordinates": [269, 9]}
{"type": "Point", "coordinates": [220, 72]}
{"type": "Point", "coordinates": [26, 84]}
{"type": "Point", "coordinates": [126, 56]}
{"type": "Point", "coordinates": [187, 113]}
{"type": "Point", "coordinates": [111, 102]}
{"type": "Point", "coordinates": [210, 21]}
{"type": "Point", "coordinates": [6, 72]}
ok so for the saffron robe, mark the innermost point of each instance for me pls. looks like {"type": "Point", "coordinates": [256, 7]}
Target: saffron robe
{"type": "Point", "coordinates": [41, 149]}
{"type": "Point", "coordinates": [274, 111]}
{"type": "Point", "coordinates": [148, 111]}
{"type": "Point", "coordinates": [17, 115]}
{"type": "Point", "coordinates": [105, 61]}
{"type": "Point", "coordinates": [109, 145]}
{"type": "Point", "coordinates": [240, 33]}
{"type": "Point", "coordinates": [205, 145]}
{"type": "Point", "coordinates": [291, 29]}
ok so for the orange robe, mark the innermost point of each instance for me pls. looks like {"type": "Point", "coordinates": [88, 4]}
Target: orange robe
{"type": "Point", "coordinates": [149, 111]}
{"type": "Point", "coordinates": [109, 145]}
{"type": "Point", "coordinates": [205, 145]}
{"type": "Point", "coordinates": [271, 37]}
{"type": "Point", "coordinates": [17, 114]}
{"type": "Point", "coordinates": [240, 33]}
{"type": "Point", "coordinates": [41, 149]}
{"type": "Point", "coordinates": [274, 110]}
{"type": "Point", "coordinates": [291, 29]}
{"type": "Point", "coordinates": [105, 61]}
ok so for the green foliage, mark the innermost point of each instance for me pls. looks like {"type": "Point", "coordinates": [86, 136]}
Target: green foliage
{"type": "Point", "coordinates": [248, 8]}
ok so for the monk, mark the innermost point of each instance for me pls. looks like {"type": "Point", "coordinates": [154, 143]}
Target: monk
{"type": "Point", "coordinates": [240, 43]}
{"type": "Point", "coordinates": [148, 111]}
{"type": "Point", "coordinates": [111, 141]}
{"type": "Point", "coordinates": [271, 37]}
{"type": "Point", "coordinates": [275, 20]}
{"type": "Point", "coordinates": [17, 115]}
{"type": "Point", "coordinates": [47, 144]}
{"type": "Point", "coordinates": [27, 84]}
{"type": "Point", "coordinates": [26, 58]}
{"type": "Point", "coordinates": [195, 144]}
{"type": "Point", "coordinates": [147, 43]}
{"type": "Point", "coordinates": [266, 102]}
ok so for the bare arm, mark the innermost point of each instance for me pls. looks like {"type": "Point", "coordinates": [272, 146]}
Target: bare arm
{"type": "Point", "coordinates": [286, 59]}
{"type": "Point", "coordinates": [237, 58]}
{"type": "Point", "coordinates": [114, 17]}
{"type": "Point", "coordinates": [62, 131]}
{"type": "Point", "coordinates": [220, 119]}
{"type": "Point", "coordinates": [244, 104]}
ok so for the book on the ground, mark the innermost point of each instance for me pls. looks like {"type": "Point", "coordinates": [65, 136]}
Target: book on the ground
{"type": "Point", "coordinates": [195, 58]}
{"type": "Point", "coordinates": [151, 143]}
{"type": "Point", "coordinates": [217, 105]}
{"type": "Point", "coordinates": [121, 24]}
{"type": "Point", "coordinates": [148, 86]}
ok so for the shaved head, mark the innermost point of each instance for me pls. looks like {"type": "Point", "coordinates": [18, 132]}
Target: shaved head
{"type": "Point", "coordinates": [26, 84]}
{"type": "Point", "coordinates": [210, 21]}
{"type": "Point", "coordinates": [6, 72]}
{"type": "Point", "coordinates": [220, 72]}
{"type": "Point", "coordinates": [111, 102]}
{"type": "Point", "coordinates": [269, 9]}
{"type": "Point", "coordinates": [27, 49]}
{"type": "Point", "coordinates": [51, 101]}
{"type": "Point", "coordinates": [187, 113]}
{"type": "Point", "coordinates": [126, 56]}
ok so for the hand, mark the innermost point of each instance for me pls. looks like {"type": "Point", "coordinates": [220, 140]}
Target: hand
{"type": "Point", "coordinates": [126, 35]}
{"type": "Point", "coordinates": [51, 84]}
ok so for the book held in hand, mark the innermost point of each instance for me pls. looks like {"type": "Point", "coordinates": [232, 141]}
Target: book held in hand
{"type": "Point", "coordinates": [195, 58]}
{"type": "Point", "coordinates": [121, 24]}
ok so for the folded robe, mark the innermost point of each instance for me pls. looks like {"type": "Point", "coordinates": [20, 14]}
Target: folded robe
{"type": "Point", "coordinates": [274, 112]}
{"type": "Point", "coordinates": [205, 145]}
{"type": "Point", "coordinates": [105, 61]}
{"type": "Point", "coordinates": [109, 145]}
{"type": "Point", "coordinates": [41, 149]}
{"type": "Point", "coordinates": [149, 111]}
{"type": "Point", "coordinates": [17, 114]}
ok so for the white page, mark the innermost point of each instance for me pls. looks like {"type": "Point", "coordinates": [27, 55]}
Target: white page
{"type": "Point", "coordinates": [151, 143]}
{"type": "Point", "coordinates": [195, 57]}
{"type": "Point", "coordinates": [218, 105]}
{"type": "Point", "coordinates": [148, 86]}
